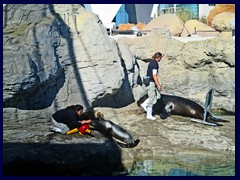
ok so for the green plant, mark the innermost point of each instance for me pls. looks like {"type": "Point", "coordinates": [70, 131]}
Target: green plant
{"type": "Point", "coordinates": [184, 14]}
{"type": "Point", "coordinates": [203, 19]}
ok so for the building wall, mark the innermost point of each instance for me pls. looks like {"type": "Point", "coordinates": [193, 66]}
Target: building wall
{"type": "Point", "coordinates": [143, 13]}
{"type": "Point", "coordinates": [131, 10]}
{"type": "Point", "coordinates": [133, 13]}
{"type": "Point", "coordinates": [121, 17]}
{"type": "Point", "coordinates": [199, 10]}
{"type": "Point", "coordinates": [193, 8]}
{"type": "Point", "coordinates": [204, 9]}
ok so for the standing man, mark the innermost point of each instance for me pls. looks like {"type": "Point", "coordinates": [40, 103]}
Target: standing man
{"type": "Point", "coordinates": [154, 87]}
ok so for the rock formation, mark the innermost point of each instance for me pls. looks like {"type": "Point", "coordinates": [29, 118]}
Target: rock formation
{"type": "Point", "coordinates": [222, 21]}
{"type": "Point", "coordinates": [190, 69]}
{"type": "Point", "coordinates": [168, 21]}
{"type": "Point", "coordinates": [58, 55]}
{"type": "Point", "coordinates": [219, 8]}
{"type": "Point", "coordinates": [190, 26]}
{"type": "Point", "coordinates": [61, 57]}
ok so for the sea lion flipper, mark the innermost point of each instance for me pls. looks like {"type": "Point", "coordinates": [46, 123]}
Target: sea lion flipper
{"type": "Point", "coordinates": [163, 115]}
{"type": "Point", "coordinates": [216, 119]}
{"type": "Point", "coordinates": [128, 145]}
{"type": "Point", "coordinates": [210, 120]}
{"type": "Point", "coordinates": [122, 144]}
{"type": "Point", "coordinates": [136, 142]}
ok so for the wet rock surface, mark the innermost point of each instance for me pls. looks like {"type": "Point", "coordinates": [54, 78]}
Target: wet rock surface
{"type": "Point", "coordinates": [36, 152]}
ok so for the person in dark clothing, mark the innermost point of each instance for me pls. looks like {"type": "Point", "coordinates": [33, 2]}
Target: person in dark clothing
{"type": "Point", "coordinates": [67, 119]}
{"type": "Point", "coordinates": [154, 87]}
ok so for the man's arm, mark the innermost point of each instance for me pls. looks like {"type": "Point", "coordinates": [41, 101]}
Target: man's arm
{"type": "Point", "coordinates": [86, 121]}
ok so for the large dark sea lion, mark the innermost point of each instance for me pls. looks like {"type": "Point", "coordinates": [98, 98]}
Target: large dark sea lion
{"type": "Point", "coordinates": [110, 129]}
{"type": "Point", "coordinates": [169, 105]}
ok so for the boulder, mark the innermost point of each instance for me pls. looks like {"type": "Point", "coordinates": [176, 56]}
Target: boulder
{"type": "Point", "coordinates": [32, 72]}
{"type": "Point", "coordinates": [219, 8]}
{"type": "Point", "coordinates": [167, 21]}
{"type": "Point", "coordinates": [190, 26]}
{"type": "Point", "coordinates": [50, 59]}
{"type": "Point", "coordinates": [222, 21]}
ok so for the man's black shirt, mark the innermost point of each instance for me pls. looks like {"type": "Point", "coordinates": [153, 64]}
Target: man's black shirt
{"type": "Point", "coordinates": [68, 117]}
{"type": "Point", "coordinates": [152, 65]}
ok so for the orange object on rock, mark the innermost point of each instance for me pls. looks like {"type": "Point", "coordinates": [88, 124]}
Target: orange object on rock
{"type": "Point", "coordinates": [72, 131]}
{"type": "Point", "coordinates": [84, 129]}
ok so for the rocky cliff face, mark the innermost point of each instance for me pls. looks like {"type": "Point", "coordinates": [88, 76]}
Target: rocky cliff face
{"type": "Point", "coordinates": [31, 67]}
{"type": "Point", "coordinates": [55, 54]}
{"type": "Point", "coordinates": [58, 55]}
{"type": "Point", "coordinates": [191, 69]}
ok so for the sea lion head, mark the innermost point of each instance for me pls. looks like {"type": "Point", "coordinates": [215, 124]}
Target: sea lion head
{"type": "Point", "coordinates": [98, 115]}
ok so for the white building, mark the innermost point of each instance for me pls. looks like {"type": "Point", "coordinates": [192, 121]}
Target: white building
{"type": "Point", "coordinates": [134, 13]}
{"type": "Point", "coordinates": [199, 10]}
{"type": "Point", "coordinates": [121, 13]}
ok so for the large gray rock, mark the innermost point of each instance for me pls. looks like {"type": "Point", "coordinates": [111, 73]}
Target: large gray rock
{"type": "Point", "coordinates": [31, 67]}
{"type": "Point", "coordinates": [59, 55]}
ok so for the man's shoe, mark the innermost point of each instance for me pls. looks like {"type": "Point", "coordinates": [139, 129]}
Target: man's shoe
{"type": "Point", "coordinates": [151, 118]}
{"type": "Point", "coordinates": [149, 113]}
{"type": "Point", "coordinates": [54, 129]}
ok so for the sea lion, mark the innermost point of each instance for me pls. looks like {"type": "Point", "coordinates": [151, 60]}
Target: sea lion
{"type": "Point", "coordinates": [169, 105]}
{"type": "Point", "coordinates": [110, 129]}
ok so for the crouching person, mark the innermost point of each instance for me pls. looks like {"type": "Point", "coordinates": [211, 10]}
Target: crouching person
{"type": "Point", "coordinates": [68, 119]}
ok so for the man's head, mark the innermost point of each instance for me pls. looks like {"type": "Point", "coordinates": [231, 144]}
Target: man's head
{"type": "Point", "coordinates": [157, 56]}
{"type": "Point", "coordinates": [79, 109]}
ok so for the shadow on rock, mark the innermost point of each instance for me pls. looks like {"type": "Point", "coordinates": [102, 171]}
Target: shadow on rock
{"type": "Point", "coordinates": [61, 159]}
